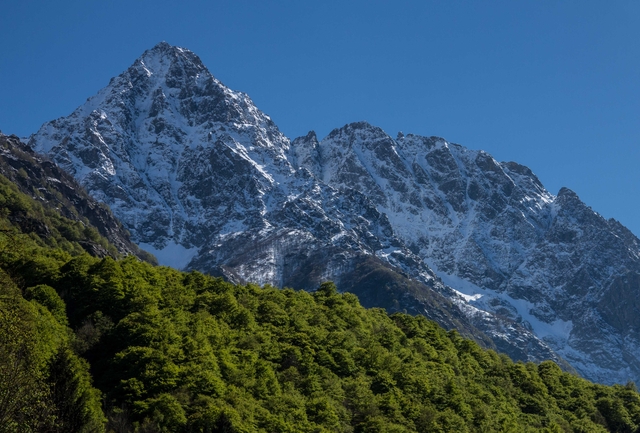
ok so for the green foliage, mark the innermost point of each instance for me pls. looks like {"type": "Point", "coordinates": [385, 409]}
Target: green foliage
{"type": "Point", "coordinates": [77, 403]}
{"type": "Point", "coordinates": [44, 386]}
{"type": "Point", "coordinates": [49, 298]}
{"type": "Point", "coordinates": [24, 403]}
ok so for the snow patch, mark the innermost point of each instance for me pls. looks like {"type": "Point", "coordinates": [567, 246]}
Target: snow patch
{"type": "Point", "coordinates": [555, 333]}
{"type": "Point", "coordinates": [174, 255]}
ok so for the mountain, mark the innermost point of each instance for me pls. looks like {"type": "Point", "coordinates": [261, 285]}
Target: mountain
{"type": "Point", "coordinates": [491, 231]}
{"type": "Point", "coordinates": [201, 177]}
{"type": "Point", "coordinates": [40, 178]}
{"type": "Point", "coordinates": [205, 180]}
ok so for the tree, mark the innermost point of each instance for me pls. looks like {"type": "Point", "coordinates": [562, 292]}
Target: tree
{"type": "Point", "coordinates": [77, 403]}
{"type": "Point", "coordinates": [24, 397]}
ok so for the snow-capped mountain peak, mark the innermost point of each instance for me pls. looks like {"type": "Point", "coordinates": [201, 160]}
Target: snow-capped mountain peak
{"type": "Point", "coordinates": [154, 142]}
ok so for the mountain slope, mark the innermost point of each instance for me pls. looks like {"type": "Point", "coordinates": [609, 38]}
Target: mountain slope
{"type": "Point", "coordinates": [201, 177]}
{"type": "Point", "coordinates": [495, 234]}
{"type": "Point", "coordinates": [40, 178]}
{"type": "Point", "coordinates": [205, 180]}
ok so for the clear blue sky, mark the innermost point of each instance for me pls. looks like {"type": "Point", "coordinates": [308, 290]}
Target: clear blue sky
{"type": "Point", "coordinates": [554, 85]}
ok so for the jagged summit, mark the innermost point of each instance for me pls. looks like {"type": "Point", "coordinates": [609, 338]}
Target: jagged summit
{"type": "Point", "coordinates": [564, 191]}
{"type": "Point", "coordinates": [205, 180]}
{"type": "Point", "coordinates": [164, 47]}
{"type": "Point", "coordinates": [163, 56]}
{"type": "Point", "coordinates": [361, 127]}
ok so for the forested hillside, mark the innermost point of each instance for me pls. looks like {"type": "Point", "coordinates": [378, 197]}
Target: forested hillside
{"type": "Point", "coordinates": [91, 344]}
{"type": "Point", "coordinates": [38, 177]}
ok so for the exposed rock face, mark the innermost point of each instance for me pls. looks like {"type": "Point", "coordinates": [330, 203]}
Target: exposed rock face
{"type": "Point", "coordinates": [36, 175]}
{"type": "Point", "coordinates": [206, 181]}
{"type": "Point", "coordinates": [169, 148]}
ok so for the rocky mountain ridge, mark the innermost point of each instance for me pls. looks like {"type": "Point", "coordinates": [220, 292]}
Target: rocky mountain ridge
{"type": "Point", "coordinates": [205, 180]}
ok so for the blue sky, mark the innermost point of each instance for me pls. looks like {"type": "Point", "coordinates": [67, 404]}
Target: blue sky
{"type": "Point", "coordinates": [551, 85]}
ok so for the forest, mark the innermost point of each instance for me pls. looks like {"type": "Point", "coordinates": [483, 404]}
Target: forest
{"type": "Point", "coordinates": [115, 344]}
